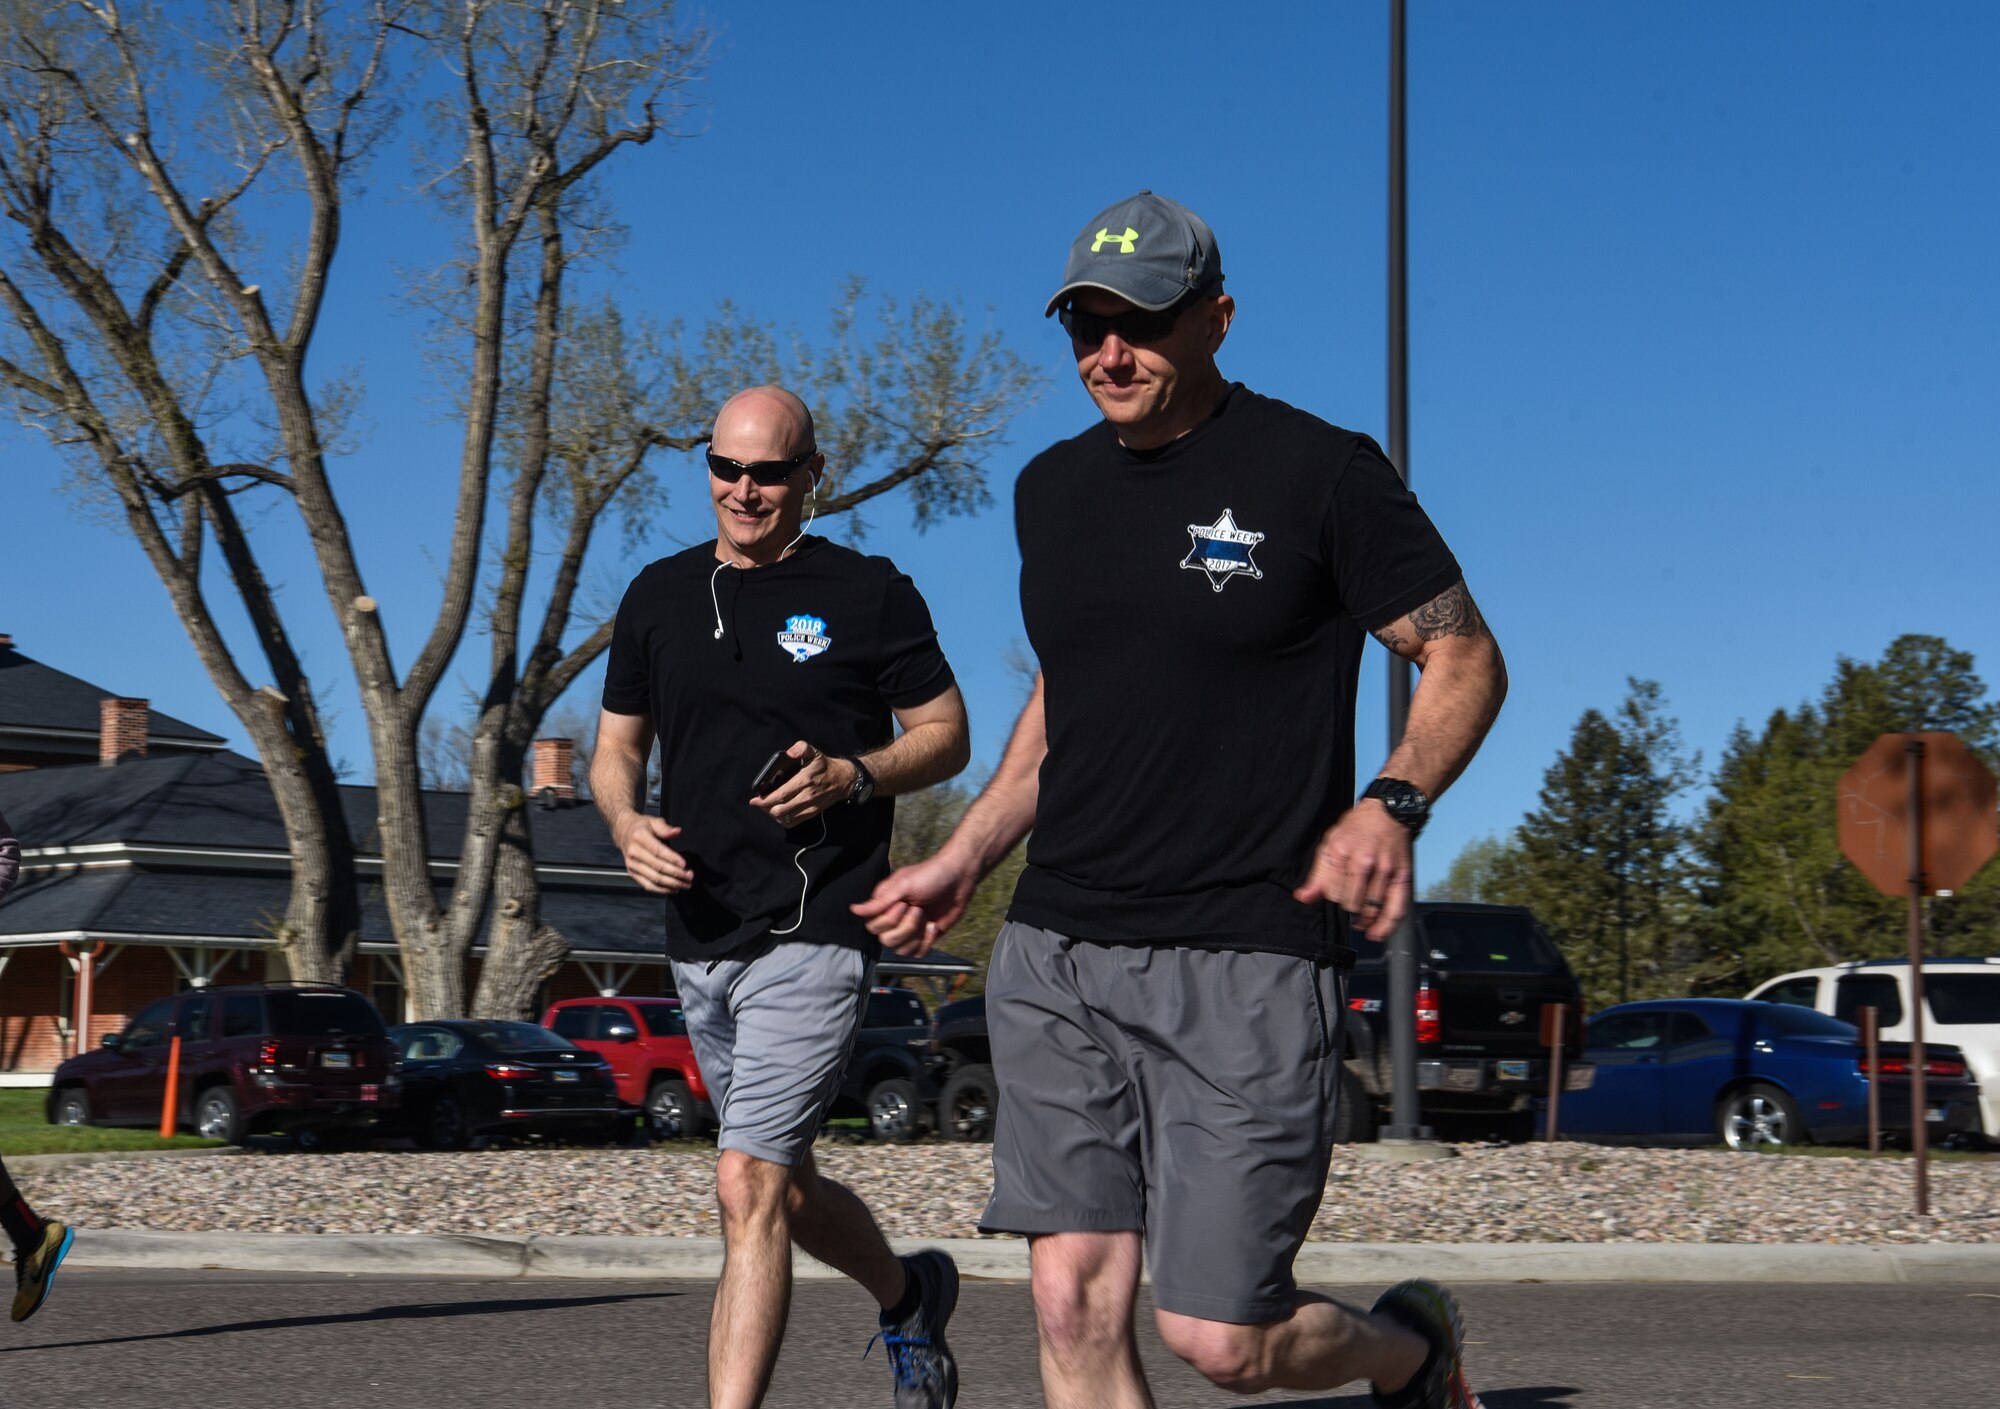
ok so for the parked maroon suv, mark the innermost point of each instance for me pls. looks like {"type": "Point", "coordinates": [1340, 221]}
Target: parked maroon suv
{"type": "Point", "coordinates": [307, 1059]}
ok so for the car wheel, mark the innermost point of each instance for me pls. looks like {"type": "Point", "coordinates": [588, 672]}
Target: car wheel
{"type": "Point", "coordinates": [671, 1113]}
{"type": "Point", "coordinates": [894, 1113]}
{"type": "Point", "coordinates": [444, 1125]}
{"type": "Point", "coordinates": [1759, 1117]}
{"type": "Point", "coordinates": [216, 1116]}
{"type": "Point", "coordinates": [970, 1101]}
{"type": "Point", "coordinates": [73, 1107]}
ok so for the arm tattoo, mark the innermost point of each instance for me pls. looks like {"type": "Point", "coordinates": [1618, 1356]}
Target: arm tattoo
{"type": "Point", "coordinates": [1389, 636]}
{"type": "Point", "coordinates": [1451, 613]}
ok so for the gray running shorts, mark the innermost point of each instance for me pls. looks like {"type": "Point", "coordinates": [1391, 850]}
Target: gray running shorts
{"type": "Point", "coordinates": [772, 1027]}
{"type": "Point", "coordinates": [1186, 1094]}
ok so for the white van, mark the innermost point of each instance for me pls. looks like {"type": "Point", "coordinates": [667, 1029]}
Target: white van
{"type": "Point", "coordinates": [1961, 1001]}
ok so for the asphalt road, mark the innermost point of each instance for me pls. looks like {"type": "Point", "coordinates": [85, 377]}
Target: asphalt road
{"type": "Point", "coordinates": [221, 1340]}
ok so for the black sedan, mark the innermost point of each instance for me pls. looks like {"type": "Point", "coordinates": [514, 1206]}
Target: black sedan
{"type": "Point", "coordinates": [464, 1080]}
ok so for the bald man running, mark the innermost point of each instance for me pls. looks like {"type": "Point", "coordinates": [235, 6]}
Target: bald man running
{"type": "Point", "coordinates": [769, 641]}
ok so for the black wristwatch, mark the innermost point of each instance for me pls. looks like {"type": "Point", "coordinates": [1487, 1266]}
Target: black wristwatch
{"type": "Point", "coordinates": [864, 782]}
{"type": "Point", "coordinates": [1406, 802]}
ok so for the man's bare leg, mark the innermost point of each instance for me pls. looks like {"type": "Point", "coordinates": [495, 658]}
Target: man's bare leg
{"type": "Point", "coordinates": [1321, 1345]}
{"type": "Point", "coordinates": [829, 1221]}
{"type": "Point", "coordinates": [754, 1295]}
{"type": "Point", "coordinates": [1086, 1285]}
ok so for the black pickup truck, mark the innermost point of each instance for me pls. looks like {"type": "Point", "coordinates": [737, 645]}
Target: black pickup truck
{"type": "Point", "coordinates": [1483, 974]}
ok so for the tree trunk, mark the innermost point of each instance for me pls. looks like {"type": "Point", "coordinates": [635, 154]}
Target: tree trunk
{"type": "Point", "coordinates": [522, 953]}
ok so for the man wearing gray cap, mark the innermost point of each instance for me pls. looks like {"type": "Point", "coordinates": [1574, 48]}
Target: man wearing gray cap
{"type": "Point", "coordinates": [1196, 573]}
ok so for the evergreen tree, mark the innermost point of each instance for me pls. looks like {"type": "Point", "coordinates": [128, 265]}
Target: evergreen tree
{"type": "Point", "coordinates": [1781, 893]}
{"type": "Point", "coordinates": [1602, 860]}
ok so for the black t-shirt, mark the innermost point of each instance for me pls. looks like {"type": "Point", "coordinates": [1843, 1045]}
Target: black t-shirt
{"type": "Point", "coordinates": [822, 646]}
{"type": "Point", "coordinates": [1197, 611]}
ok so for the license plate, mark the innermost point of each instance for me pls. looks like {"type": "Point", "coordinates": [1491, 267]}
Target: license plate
{"type": "Point", "coordinates": [336, 1059]}
{"type": "Point", "coordinates": [371, 1093]}
{"type": "Point", "coordinates": [1934, 1113]}
{"type": "Point", "coordinates": [1513, 1071]}
{"type": "Point", "coordinates": [567, 1076]}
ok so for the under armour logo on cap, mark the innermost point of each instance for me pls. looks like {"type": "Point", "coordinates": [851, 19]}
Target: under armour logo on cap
{"type": "Point", "coordinates": [1127, 242]}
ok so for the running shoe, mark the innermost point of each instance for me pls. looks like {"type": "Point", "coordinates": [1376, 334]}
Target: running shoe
{"type": "Point", "coordinates": [35, 1272]}
{"type": "Point", "coordinates": [1432, 1312]}
{"type": "Point", "coordinates": [926, 1374]}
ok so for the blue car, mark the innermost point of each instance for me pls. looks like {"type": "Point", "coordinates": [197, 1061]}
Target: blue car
{"type": "Point", "coordinates": [1749, 1074]}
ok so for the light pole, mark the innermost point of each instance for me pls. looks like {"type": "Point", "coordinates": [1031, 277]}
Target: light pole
{"type": "Point", "coordinates": [1405, 1114]}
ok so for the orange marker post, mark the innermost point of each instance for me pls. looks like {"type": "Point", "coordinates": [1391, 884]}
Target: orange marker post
{"type": "Point", "coordinates": [170, 1108]}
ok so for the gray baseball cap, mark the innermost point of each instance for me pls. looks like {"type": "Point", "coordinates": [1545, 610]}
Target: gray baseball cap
{"type": "Point", "coordinates": [1148, 250]}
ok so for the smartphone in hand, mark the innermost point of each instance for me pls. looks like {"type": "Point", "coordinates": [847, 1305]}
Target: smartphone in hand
{"type": "Point", "coordinates": [778, 769]}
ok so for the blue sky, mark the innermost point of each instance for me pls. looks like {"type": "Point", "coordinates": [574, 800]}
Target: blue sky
{"type": "Point", "coordinates": [1702, 298]}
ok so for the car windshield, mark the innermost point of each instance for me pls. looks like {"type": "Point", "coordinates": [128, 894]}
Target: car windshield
{"type": "Point", "coordinates": [515, 1037]}
{"type": "Point", "coordinates": [331, 1014]}
{"type": "Point", "coordinates": [1962, 998]}
{"type": "Point", "coordinates": [896, 1007]}
{"type": "Point", "coordinates": [664, 1019]}
{"type": "Point", "coordinates": [1488, 943]}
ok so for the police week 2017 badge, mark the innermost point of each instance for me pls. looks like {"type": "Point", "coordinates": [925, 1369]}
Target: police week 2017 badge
{"type": "Point", "coordinates": [1222, 550]}
{"type": "Point", "coordinates": [803, 638]}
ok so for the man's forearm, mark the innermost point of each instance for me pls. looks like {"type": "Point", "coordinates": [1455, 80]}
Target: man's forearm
{"type": "Point", "coordinates": [1455, 703]}
{"type": "Point", "coordinates": [926, 754]}
{"type": "Point", "coordinates": [1004, 812]}
{"type": "Point", "coordinates": [618, 785]}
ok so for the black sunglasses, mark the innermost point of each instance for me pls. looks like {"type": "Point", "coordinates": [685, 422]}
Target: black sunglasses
{"type": "Point", "coordinates": [1141, 326]}
{"type": "Point", "coordinates": [768, 473]}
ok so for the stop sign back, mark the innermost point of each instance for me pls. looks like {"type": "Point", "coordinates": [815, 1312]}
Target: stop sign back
{"type": "Point", "coordinates": [1958, 796]}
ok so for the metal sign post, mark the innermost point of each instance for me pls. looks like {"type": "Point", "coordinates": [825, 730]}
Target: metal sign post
{"type": "Point", "coordinates": [1871, 1046]}
{"type": "Point", "coordinates": [1555, 1027]}
{"type": "Point", "coordinates": [1917, 816]}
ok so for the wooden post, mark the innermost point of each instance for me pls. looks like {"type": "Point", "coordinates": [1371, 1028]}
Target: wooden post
{"type": "Point", "coordinates": [1871, 1033]}
{"type": "Point", "coordinates": [1919, 1127]}
{"type": "Point", "coordinates": [170, 1107]}
{"type": "Point", "coordinates": [1555, 1026]}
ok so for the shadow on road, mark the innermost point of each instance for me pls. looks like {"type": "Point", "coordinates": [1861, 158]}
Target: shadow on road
{"type": "Point", "coordinates": [1526, 1397]}
{"type": "Point", "coordinates": [414, 1311]}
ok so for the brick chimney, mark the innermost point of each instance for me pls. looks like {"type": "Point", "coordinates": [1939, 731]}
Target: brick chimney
{"type": "Point", "coordinates": [121, 729]}
{"type": "Point", "coordinates": [555, 769]}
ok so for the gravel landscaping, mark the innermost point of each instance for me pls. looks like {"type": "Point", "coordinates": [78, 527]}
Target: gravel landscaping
{"type": "Point", "coordinates": [1491, 1193]}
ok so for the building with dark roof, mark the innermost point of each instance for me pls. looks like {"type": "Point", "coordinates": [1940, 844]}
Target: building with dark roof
{"type": "Point", "coordinates": [161, 854]}
{"type": "Point", "coordinates": [49, 718]}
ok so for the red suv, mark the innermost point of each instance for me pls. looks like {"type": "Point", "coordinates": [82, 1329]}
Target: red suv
{"type": "Point", "coordinates": [646, 1042]}
{"type": "Point", "coordinates": [308, 1059]}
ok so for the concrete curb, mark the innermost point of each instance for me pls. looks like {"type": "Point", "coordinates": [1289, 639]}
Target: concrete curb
{"type": "Point", "coordinates": [1006, 1260]}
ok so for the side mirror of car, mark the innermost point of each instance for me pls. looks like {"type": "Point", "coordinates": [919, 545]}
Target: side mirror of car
{"type": "Point", "coordinates": [109, 1040]}
{"type": "Point", "coordinates": [622, 1033]}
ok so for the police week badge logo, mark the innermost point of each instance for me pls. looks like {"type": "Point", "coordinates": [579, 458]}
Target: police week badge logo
{"type": "Point", "coordinates": [1222, 550]}
{"type": "Point", "coordinates": [803, 638]}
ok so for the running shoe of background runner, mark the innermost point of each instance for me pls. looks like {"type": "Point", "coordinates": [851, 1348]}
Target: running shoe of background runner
{"type": "Point", "coordinates": [1432, 1312]}
{"type": "Point", "coordinates": [926, 1374]}
{"type": "Point", "coordinates": [35, 1272]}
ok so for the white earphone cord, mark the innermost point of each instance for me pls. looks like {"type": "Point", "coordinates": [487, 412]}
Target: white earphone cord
{"type": "Point", "coordinates": [716, 602]}
{"type": "Point", "coordinates": [805, 881]}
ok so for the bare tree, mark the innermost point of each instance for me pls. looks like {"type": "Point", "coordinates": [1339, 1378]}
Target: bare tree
{"type": "Point", "coordinates": [151, 337]}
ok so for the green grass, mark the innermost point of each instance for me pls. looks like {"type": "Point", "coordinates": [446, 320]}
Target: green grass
{"type": "Point", "coordinates": [24, 1130]}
